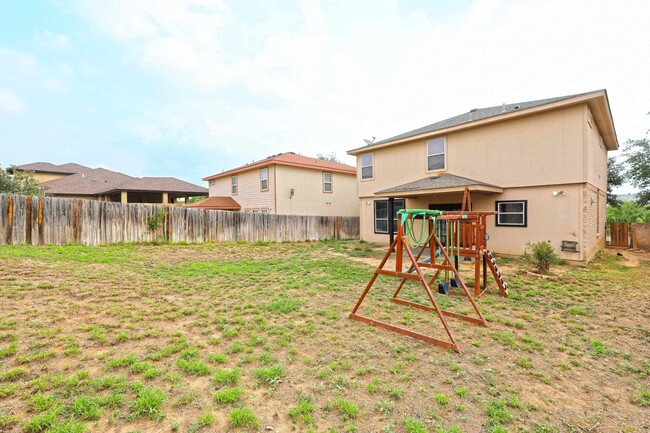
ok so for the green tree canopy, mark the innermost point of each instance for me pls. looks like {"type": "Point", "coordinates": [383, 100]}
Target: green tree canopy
{"type": "Point", "coordinates": [20, 182]}
{"type": "Point", "coordinates": [615, 177]}
{"type": "Point", "coordinates": [629, 212]}
{"type": "Point", "coordinates": [637, 154]}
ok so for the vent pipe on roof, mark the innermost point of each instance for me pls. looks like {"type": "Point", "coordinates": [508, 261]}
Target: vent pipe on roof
{"type": "Point", "coordinates": [503, 108]}
{"type": "Point", "coordinates": [517, 107]}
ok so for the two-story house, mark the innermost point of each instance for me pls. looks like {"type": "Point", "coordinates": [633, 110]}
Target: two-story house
{"type": "Point", "coordinates": [287, 184]}
{"type": "Point", "coordinates": [542, 165]}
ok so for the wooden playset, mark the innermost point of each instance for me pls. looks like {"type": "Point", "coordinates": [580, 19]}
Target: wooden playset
{"type": "Point", "coordinates": [466, 236]}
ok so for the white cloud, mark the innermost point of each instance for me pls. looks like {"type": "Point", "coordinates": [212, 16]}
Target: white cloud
{"type": "Point", "coordinates": [323, 80]}
{"type": "Point", "coordinates": [53, 41]}
{"type": "Point", "coordinates": [10, 102]}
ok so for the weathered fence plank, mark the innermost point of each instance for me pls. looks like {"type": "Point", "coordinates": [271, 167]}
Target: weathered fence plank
{"type": "Point", "coordinates": [57, 221]}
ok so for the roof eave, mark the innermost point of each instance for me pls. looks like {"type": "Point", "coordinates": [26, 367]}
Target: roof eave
{"type": "Point", "coordinates": [610, 141]}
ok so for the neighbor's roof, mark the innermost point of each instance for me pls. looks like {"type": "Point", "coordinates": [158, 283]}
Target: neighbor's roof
{"type": "Point", "coordinates": [46, 167]}
{"type": "Point", "coordinates": [92, 181]}
{"type": "Point", "coordinates": [163, 184]}
{"type": "Point", "coordinates": [442, 183]}
{"type": "Point", "coordinates": [218, 203]}
{"type": "Point", "coordinates": [597, 101]}
{"type": "Point", "coordinates": [290, 159]}
{"type": "Point", "coordinates": [95, 181]}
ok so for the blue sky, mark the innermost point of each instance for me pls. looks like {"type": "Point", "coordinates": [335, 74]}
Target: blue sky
{"type": "Point", "coordinates": [190, 88]}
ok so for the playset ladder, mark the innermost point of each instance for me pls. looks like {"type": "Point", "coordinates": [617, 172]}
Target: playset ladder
{"type": "Point", "coordinates": [496, 273]}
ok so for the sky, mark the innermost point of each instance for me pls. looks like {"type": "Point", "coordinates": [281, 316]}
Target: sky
{"type": "Point", "coordinates": [188, 88]}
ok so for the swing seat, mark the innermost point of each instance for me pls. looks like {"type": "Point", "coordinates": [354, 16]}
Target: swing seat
{"type": "Point", "coordinates": [443, 288]}
{"type": "Point", "coordinates": [455, 283]}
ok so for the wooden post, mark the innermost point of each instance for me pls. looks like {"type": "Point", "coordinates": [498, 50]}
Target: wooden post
{"type": "Point", "coordinates": [124, 197]}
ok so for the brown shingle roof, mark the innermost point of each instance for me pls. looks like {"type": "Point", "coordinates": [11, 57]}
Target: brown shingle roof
{"type": "Point", "coordinates": [95, 181]}
{"type": "Point", "coordinates": [163, 184]}
{"type": "Point", "coordinates": [444, 181]}
{"type": "Point", "coordinates": [46, 167]}
{"type": "Point", "coordinates": [291, 159]}
{"type": "Point", "coordinates": [218, 203]}
{"type": "Point", "coordinates": [92, 181]}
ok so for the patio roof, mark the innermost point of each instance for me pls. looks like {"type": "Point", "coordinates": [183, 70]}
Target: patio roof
{"type": "Point", "coordinates": [217, 203]}
{"type": "Point", "coordinates": [440, 184]}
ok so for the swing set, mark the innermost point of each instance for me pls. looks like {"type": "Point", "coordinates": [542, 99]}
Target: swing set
{"type": "Point", "coordinates": [466, 236]}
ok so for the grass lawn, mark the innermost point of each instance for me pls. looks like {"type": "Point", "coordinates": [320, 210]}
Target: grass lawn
{"type": "Point", "coordinates": [234, 337]}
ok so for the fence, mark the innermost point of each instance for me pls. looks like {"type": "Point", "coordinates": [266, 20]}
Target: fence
{"type": "Point", "coordinates": [626, 235]}
{"type": "Point", "coordinates": [57, 221]}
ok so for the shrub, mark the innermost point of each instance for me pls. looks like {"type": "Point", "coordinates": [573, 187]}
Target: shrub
{"type": "Point", "coordinates": [541, 255]}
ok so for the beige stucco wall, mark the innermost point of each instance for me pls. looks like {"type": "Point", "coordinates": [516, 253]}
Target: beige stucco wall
{"type": "Point", "coordinates": [596, 161]}
{"type": "Point", "coordinates": [249, 196]}
{"type": "Point", "coordinates": [309, 198]}
{"type": "Point", "coordinates": [46, 177]}
{"type": "Point", "coordinates": [535, 150]}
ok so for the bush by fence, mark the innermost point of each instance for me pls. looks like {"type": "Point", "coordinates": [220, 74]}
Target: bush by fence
{"type": "Point", "coordinates": [57, 221]}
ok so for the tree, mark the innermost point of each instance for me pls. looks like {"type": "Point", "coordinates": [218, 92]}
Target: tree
{"type": "Point", "coordinates": [331, 157]}
{"type": "Point", "coordinates": [629, 212]}
{"type": "Point", "coordinates": [615, 177]}
{"type": "Point", "coordinates": [637, 153]}
{"type": "Point", "coordinates": [20, 182]}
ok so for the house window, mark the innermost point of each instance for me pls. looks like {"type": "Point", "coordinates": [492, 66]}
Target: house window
{"type": "Point", "coordinates": [381, 214]}
{"type": "Point", "coordinates": [327, 182]}
{"type": "Point", "coordinates": [212, 182]}
{"type": "Point", "coordinates": [512, 213]}
{"type": "Point", "coordinates": [367, 166]}
{"type": "Point", "coordinates": [436, 154]}
{"type": "Point", "coordinates": [233, 185]}
{"type": "Point", "coordinates": [265, 211]}
{"type": "Point", "coordinates": [264, 179]}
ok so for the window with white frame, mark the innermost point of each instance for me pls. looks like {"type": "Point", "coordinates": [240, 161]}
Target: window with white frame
{"type": "Point", "coordinates": [381, 214]}
{"type": "Point", "coordinates": [512, 213]}
{"type": "Point", "coordinates": [233, 185]}
{"type": "Point", "coordinates": [367, 166]}
{"type": "Point", "coordinates": [327, 182]}
{"type": "Point", "coordinates": [264, 179]}
{"type": "Point", "coordinates": [212, 182]}
{"type": "Point", "coordinates": [436, 154]}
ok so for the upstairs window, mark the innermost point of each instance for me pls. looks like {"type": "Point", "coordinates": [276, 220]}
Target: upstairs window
{"type": "Point", "coordinates": [436, 154]}
{"type": "Point", "coordinates": [233, 185]}
{"type": "Point", "coordinates": [367, 166]}
{"type": "Point", "coordinates": [327, 182]}
{"type": "Point", "coordinates": [513, 213]}
{"type": "Point", "coordinates": [264, 179]}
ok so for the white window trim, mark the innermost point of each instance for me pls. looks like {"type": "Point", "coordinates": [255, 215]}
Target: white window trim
{"type": "Point", "coordinates": [331, 182]}
{"type": "Point", "coordinates": [444, 153]}
{"type": "Point", "coordinates": [234, 187]}
{"type": "Point", "coordinates": [372, 157]}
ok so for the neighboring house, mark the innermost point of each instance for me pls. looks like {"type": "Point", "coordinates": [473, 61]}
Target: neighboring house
{"type": "Point", "coordinates": [78, 181]}
{"type": "Point", "coordinates": [541, 164]}
{"type": "Point", "coordinates": [287, 184]}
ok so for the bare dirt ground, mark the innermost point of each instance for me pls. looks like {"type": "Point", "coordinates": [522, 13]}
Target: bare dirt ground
{"type": "Point", "coordinates": [84, 330]}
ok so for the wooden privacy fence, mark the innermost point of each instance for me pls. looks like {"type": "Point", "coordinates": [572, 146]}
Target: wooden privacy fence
{"type": "Point", "coordinates": [625, 235]}
{"type": "Point", "coordinates": [619, 234]}
{"type": "Point", "coordinates": [57, 221]}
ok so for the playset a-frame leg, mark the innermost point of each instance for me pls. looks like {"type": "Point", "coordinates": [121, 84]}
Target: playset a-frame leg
{"type": "Point", "coordinates": [415, 273]}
